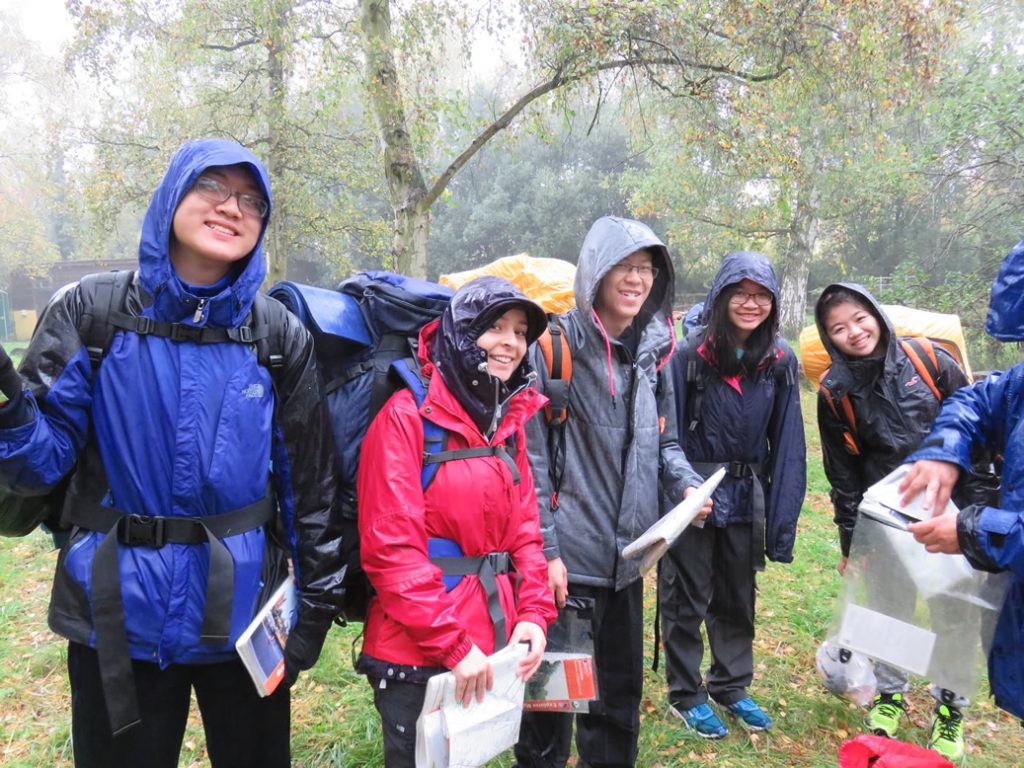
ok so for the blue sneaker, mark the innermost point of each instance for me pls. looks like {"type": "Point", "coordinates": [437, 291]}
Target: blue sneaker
{"type": "Point", "coordinates": [750, 714]}
{"type": "Point", "coordinates": [702, 720]}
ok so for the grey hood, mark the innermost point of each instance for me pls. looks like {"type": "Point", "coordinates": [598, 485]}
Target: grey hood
{"type": "Point", "coordinates": [609, 241]}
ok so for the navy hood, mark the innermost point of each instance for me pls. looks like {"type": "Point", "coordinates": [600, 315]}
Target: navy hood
{"type": "Point", "coordinates": [463, 365]}
{"type": "Point", "coordinates": [171, 302]}
{"type": "Point", "coordinates": [1005, 320]}
{"type": "Point", "coordinates": [738, 266]}
{"type": "Point", "coordinates": [609, 241]}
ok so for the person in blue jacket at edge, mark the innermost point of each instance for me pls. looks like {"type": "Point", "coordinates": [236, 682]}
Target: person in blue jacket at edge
{"type": "Point", "coordinates": [988, 414]}
{"type": "Point", "coordinates": [193, 437]}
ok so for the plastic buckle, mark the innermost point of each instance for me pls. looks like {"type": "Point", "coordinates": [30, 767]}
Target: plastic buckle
{"type": "Point", "coordinates": [737, 469]}
{"type": "Point", "coordinates": [142, 531]}
{"type": "Point", "coordinates": [499, 561]}
{"type": "Point", "coordinates": [245, 334]}
{"type": "Point", "coordinates": [143, 325]}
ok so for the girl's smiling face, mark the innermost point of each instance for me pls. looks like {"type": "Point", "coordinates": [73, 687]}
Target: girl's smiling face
{"type": "Point", "coordinates": [505, 343]}
{"type": "Point", "coordinates": [853, 329]}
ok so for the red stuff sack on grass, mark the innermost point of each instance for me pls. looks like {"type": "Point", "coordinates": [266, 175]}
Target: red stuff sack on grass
{"type": "Point", "coordinates": [870, 751]}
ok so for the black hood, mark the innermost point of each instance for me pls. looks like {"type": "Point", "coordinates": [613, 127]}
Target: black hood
{"type": "Point", "coordinates": [846, 371]}
{"type": "Point", "coordinates": [463, 365]}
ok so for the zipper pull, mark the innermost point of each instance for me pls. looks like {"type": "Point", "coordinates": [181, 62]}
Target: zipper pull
{"type": "Point", "coordinates": [198, 316]}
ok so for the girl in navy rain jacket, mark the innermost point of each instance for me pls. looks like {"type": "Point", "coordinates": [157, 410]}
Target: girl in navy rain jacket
{"type": "Point", "coordinates": [738, 406]}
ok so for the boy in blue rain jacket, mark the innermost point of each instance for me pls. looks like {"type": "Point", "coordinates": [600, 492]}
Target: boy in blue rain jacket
{"type": "Point", "coordinates": [198, 466]}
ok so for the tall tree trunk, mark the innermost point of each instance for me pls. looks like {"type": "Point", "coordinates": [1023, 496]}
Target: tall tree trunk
{"type": "Point", "coordinates": [275, 243]}
{"type": "Point", "coordinates": [406, 186]}
{"type": "Point", "coordinates": [796, 267]}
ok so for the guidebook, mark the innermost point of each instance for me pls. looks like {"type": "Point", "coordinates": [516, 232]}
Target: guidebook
{"type": "Point", "coordinates": [566, 680]}
{"type": "Point", "coordinates": [656, 540]}
{"type": "Point", "coordinates": [261, 645]}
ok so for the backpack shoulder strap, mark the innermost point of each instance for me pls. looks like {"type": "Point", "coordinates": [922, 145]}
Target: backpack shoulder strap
{"type": "Point", "coordinates": [435, 437]}
{"type": "Point", "coordinates": [696, 379]}
{"type": "Point", "coordinates": [782, 369]}
{"type": "Point", "coordinates": [104, 296]}
{"type": "Point", "coordinates": [554, 347]}
{"type": "Point", "coordinates": [268, 323]}
{"type": "Point", "coordinates": [922, 354]}
{"type": "Point", "coordinates": [842, 409]}
{"type": "Point", "coordinates": [557, 355]}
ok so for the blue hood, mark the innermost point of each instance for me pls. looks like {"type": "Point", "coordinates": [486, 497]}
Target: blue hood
{"type": "Point", "coordinates": [743, 265]}
{"type": "Point", "coordinates": [1006, 306]}
{"type": "Point", "coordinates": [171, 303]}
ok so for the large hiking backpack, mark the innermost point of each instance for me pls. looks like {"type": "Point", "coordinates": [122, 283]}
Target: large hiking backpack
{"type": "Point", "coordinates": [366, 335]}
{"type": "Point", "coordinates": [105, 311]}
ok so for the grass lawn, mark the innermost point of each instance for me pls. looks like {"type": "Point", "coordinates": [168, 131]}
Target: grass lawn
{"type": "Point", "coordinates": [334, 723]}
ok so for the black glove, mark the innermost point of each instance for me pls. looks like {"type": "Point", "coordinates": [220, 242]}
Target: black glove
{"type": "Point", "coordinates": [302, 649]}
{"type": "Point", "coordinates": [10, 380]}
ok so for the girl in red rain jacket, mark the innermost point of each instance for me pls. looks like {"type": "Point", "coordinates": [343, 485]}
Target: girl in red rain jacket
{"type": "Point", "coordinates": [420, 622]}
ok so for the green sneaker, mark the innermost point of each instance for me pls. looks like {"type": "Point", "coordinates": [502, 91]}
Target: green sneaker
{"type": "Point", "coordinates": [885, 713]}
{"type": "Point", "coordinates": [948, 733]}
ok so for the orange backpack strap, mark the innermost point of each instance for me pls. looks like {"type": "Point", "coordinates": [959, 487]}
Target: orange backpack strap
{"type": "Point", "coordinates": [847, 419]}
{"type": "Point", "coordinates": [558, 361]}
{"type": "Point", "coordinates": [921, 352]}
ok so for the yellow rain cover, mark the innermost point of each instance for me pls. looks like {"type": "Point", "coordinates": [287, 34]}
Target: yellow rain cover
{"type": "Point", "coordinates": [547, 281]}
{"type": "Point", "coordinates": [944, 330]}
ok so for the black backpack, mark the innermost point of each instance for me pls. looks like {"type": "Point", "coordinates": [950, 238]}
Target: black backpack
{"type": "Point", "coordinates": [105, 311]}
{"type": "Point", "coordinates": [372, 320]}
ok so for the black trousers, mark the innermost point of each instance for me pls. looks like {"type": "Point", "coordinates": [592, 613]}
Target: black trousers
{"type": "Point", "coordinates": [399, 705]}
{"type": "Point", "coordinates": [607, 736]}
{"type": "Point", "coordinates": [242, 729]}
{"type": "Point", "coordinates": [708, 577]}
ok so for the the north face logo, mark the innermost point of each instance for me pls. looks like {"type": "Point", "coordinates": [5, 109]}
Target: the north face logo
{"type": "Point", "coordinates": [253, 392]}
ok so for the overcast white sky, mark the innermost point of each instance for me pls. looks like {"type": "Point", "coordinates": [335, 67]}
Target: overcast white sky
{"type": "Point", "coordinates": [42, 21]}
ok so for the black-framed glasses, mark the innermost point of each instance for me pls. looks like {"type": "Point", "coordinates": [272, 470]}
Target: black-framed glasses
{"type": "Point", "coordinates": [210, 189]}
{"type": "Point", "coordinates": [643, 271]}
{"type": "Point", "coordinates": [761, 298]}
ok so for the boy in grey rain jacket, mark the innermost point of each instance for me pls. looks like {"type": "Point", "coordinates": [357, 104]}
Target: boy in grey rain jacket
{"type": "Point", "coordinates": [619, 444]}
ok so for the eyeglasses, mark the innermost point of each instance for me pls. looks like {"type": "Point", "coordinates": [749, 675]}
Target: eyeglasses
{"type": "Point", "coordinates": [210, 189]}
{"type": "Point", "coordinates": [643, 271]}
{"type": "Point", "coordinates": [761, 298]}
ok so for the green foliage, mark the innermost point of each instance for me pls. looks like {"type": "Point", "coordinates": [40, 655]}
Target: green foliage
{"type": "Point", "coordinates": [959, 293]}
{"type": "Point", "coordinates": [267, 73]}
{"type": "Point", "coordinates": [537, 194]}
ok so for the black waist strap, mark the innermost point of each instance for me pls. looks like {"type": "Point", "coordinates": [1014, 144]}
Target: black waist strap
{"type": "Point", "coordinates": [486, 568]}
{"type": "Point", "coordinates": [108, 606]}
{"type": "Point", "coordinates": [740, 470]}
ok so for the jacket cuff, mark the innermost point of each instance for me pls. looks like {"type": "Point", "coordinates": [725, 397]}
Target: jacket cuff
{"type": "Point", "coordinates": [967, 538]}
{"type": "Point", "coordinates": [16, 412]}
{"type": "Point", "coordinates": [461, 651]}
{"type": "Point", "coordinates": [845, 540]}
